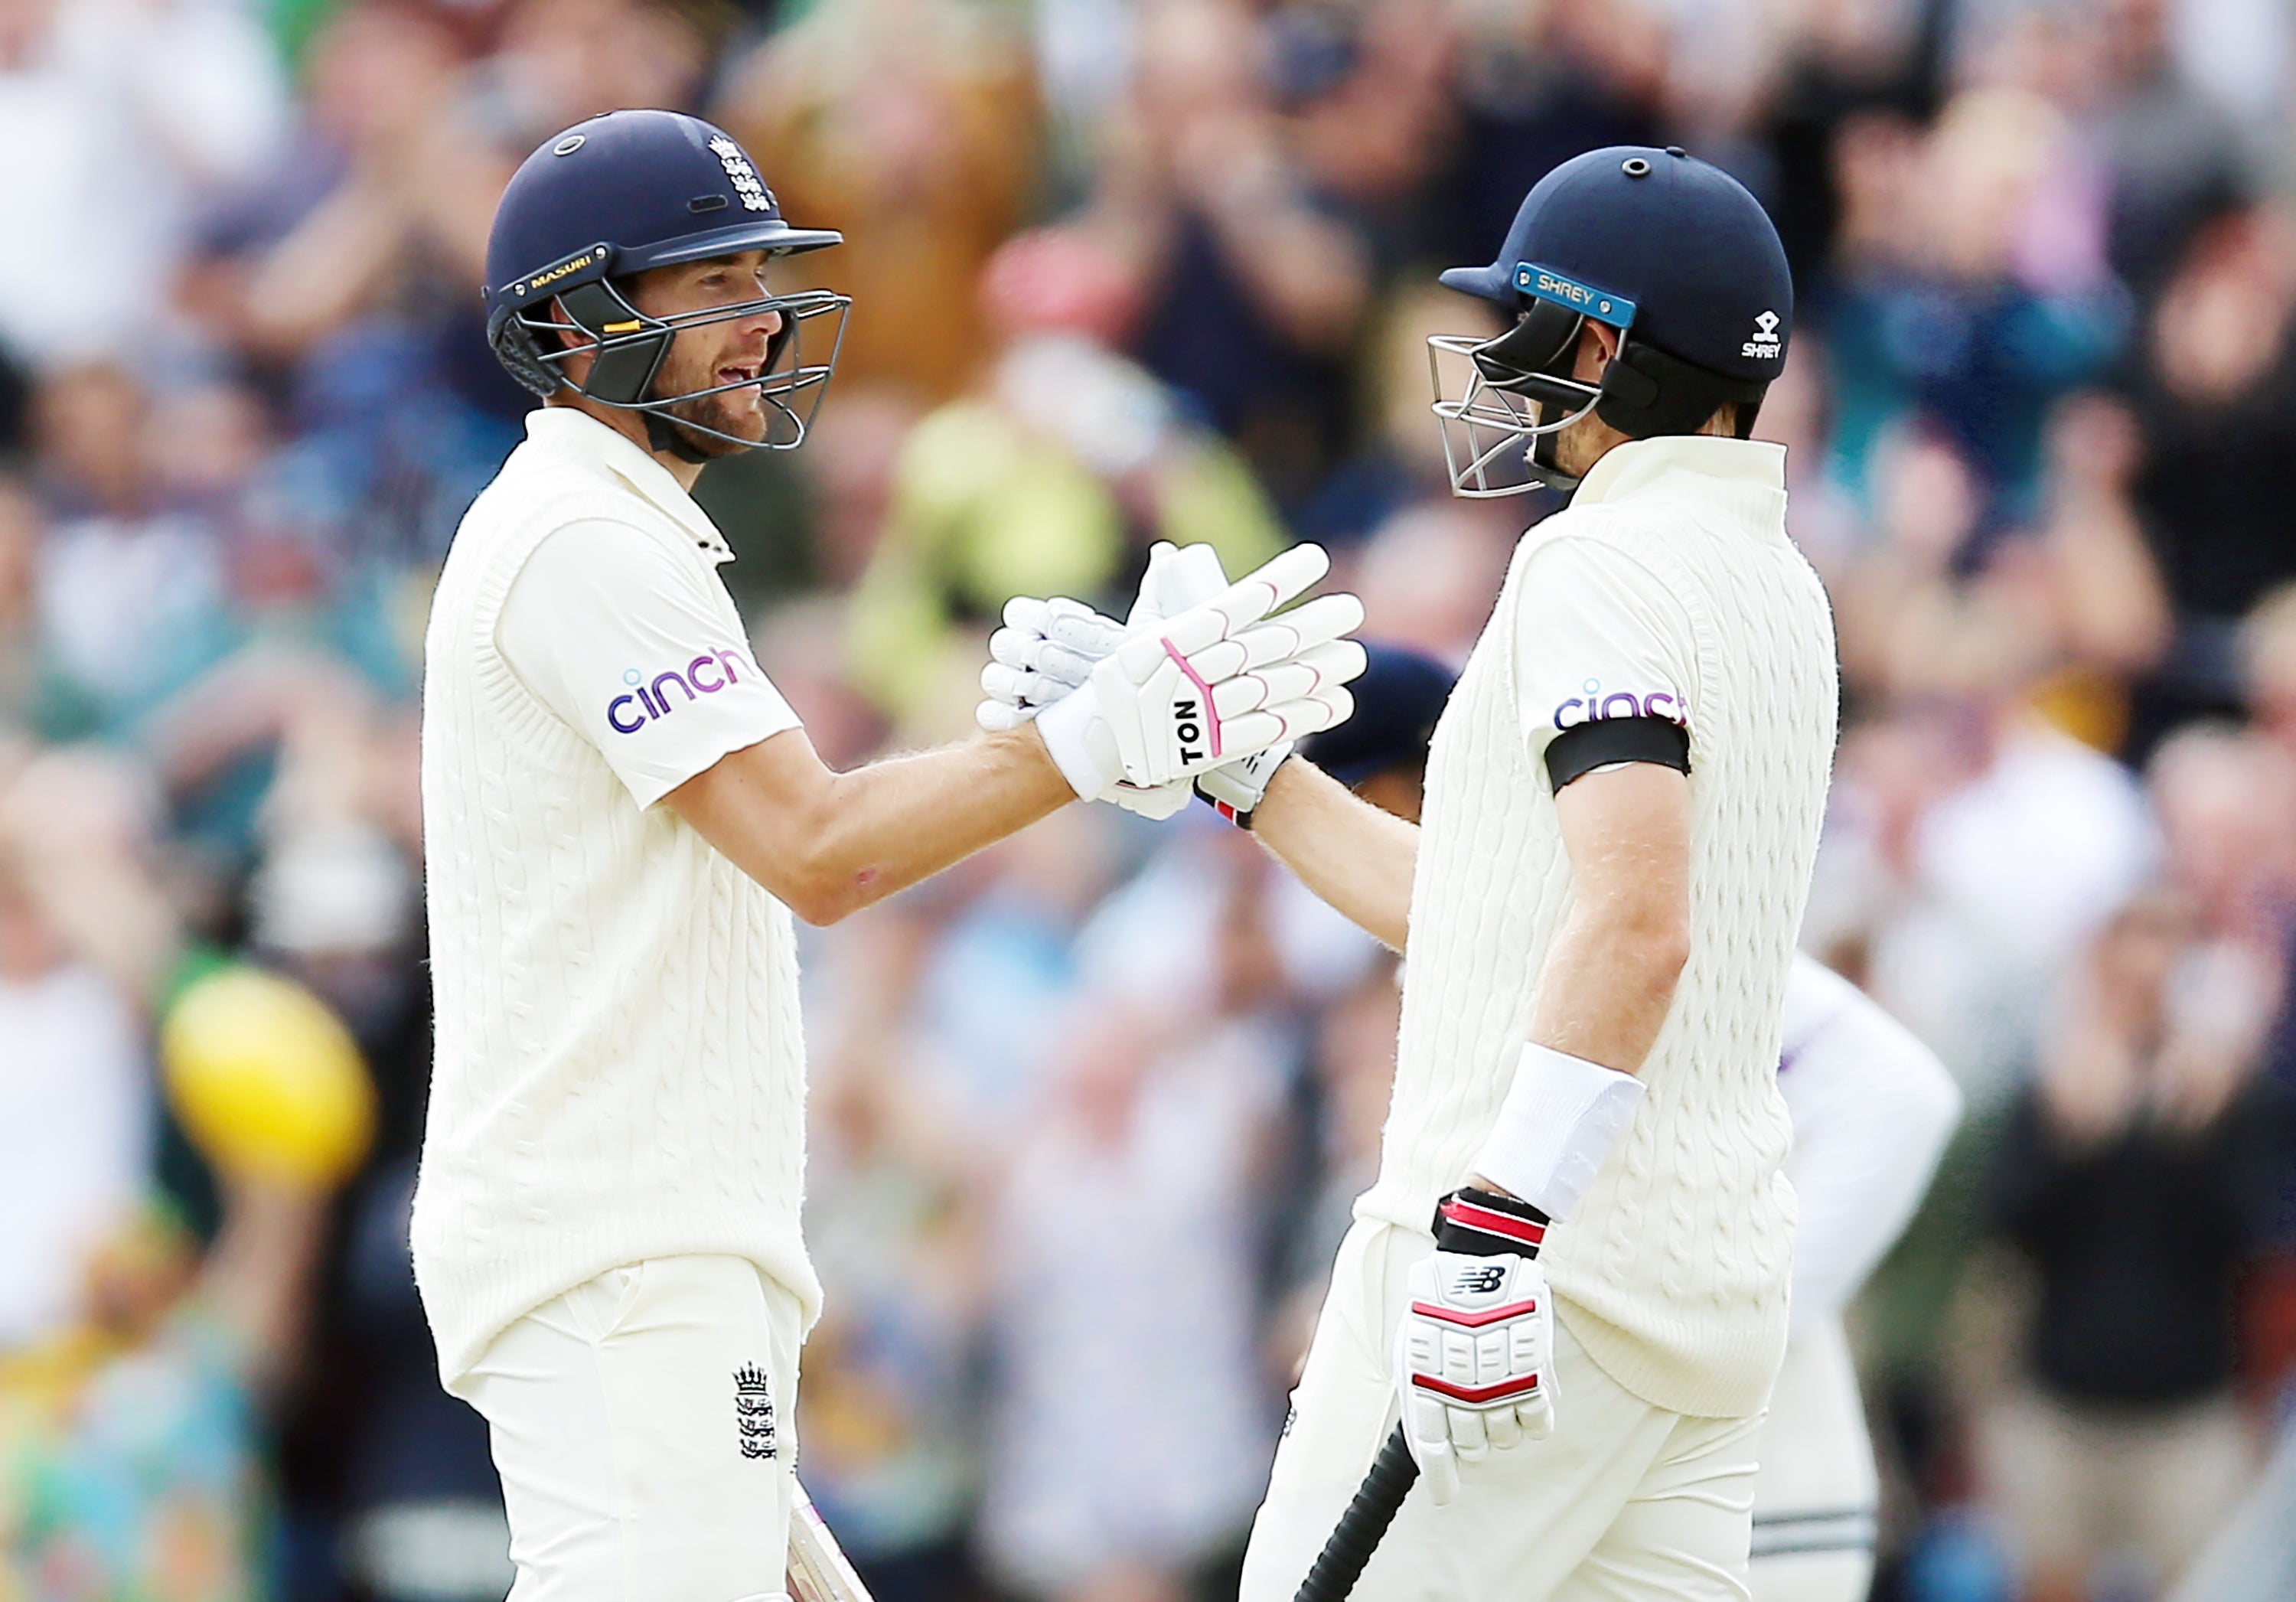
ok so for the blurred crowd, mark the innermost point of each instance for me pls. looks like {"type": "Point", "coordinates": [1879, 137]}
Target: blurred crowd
{"type": "Point", "coordinates": [1127, 270]}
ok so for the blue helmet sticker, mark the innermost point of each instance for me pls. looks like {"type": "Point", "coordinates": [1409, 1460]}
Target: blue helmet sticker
{"type": "Point", "coordinates": [1564, 290]}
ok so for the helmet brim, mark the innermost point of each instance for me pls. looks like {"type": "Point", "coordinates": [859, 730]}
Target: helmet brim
{"type": "Point", "coordinates": [765, 233]}
{"type": "Point", "coordinates": [1495, 282]}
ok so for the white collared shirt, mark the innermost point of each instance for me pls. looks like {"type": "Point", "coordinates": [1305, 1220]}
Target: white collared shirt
{"type": "Point", "coordinates": [619, 1071]}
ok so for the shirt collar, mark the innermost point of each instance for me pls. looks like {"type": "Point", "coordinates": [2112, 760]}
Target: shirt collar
{"type": "Point", "coordinates": [1634, 467]}
{"type": "Point", "coordinates": [576, 432]}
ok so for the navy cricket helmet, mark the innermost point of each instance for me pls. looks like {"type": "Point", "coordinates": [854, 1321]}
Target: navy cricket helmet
{"type": "Point", "coordinates": [1673, 253]}
{"type": "Point", "coordinates": [610, 198]}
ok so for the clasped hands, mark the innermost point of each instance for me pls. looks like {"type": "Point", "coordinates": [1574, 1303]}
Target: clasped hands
{"type": "Point", "coordinates": [1205, 685]}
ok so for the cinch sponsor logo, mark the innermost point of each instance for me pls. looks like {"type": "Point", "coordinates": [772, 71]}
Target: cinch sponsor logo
{"type": "Point", "coordinates": [1594, 705]}
{"type": "Point", "coordinates": [649, 699]}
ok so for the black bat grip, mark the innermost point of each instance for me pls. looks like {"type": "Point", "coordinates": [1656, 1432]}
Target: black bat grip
{"type": "Point", "coordinates": [1358, 1534]}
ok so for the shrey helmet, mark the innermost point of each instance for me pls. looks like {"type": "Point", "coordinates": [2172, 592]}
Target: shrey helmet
{"type": "Point", "coordinates": [1673, 253]}
{"type": "Point", "coordinates": [610, 198]}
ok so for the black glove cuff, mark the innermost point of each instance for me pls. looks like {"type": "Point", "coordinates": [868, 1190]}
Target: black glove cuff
{"type": "Point", "coordinates": [1481, 1223]}
{"type": "Point", "coordinates": [1242, 821]}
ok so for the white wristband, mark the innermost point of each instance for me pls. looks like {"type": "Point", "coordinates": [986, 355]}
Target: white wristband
{"type": "Point", "coordinates": [1560, 1117]}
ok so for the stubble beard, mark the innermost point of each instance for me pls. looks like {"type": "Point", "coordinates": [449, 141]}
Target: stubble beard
{"type": "Point", "coordinates": [736, 412]}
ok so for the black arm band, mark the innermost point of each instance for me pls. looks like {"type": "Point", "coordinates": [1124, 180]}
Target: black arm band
{"type": "Point", "coordinates": [1582, 747]}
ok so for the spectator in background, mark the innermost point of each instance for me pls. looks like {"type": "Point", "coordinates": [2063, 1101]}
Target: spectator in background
{"type": "Point", "coordinates": [344, 281]}
{"type": "Point", "coordinates": [1540, 84]}
{"type": "Point", "coordinates": [1971, 305]}
{"type": "Point", "coordinates": [1970, 850]}
{"type": "Point", "coordinates": [75, 1118]}
{"type": "Point", "coordinates": [561, 60]}
{"type": "Point", "coordinates": [1400, 465]}
{"type": "Point", "coordinates": [890, 1412]}
{"type": "Point", "coordinates": [119, 119]}
{"type": "Point", "coordinates": [129, 1426]}
{"type": "Point", "coordinates": [1369, 102]}
{"type": "Point", "coordinates": [2216, 401]}
{"type": "Point", "coordinates": [2174, 153]}
{"type": "Point", "coordinates": [1053, 478]}
{"type": "Point", "coordinates": [118, 562]}
{"type": "Point", "coordinates": [1434, 568]}
{"type": "Point", "coordinates": [2267, 662]}
{"type": "Point", "coordinates": [1255, 285]}
{"type": "Point", "coordinates": [1128, 1211]}
{"type": "Point", "coordinates": [129, 1461]}
{"type": "Point", "coordinates": [38, 695]}
{"type": "Point", "coordinates": [1842, 75]}
{"type": "Point", "coordinates": [2136, 1177]}
{"type": "Point", "coordinates": [910, 126]}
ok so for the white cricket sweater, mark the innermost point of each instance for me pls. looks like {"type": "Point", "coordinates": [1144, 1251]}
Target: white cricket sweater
{"type": "Point", "coordinates": [1672, 574]}
{"type": "Point", "coordinates": [619, 1069]}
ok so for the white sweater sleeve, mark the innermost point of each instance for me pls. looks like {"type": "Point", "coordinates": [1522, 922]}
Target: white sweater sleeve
{"type": "Point", "coordinates": [1873, 1109]}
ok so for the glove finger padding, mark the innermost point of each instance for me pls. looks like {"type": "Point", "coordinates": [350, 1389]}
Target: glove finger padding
{"type": "Point", "coordinates": [1177, 578]}
{"type": "Point", "coordinates": [999, 717]}
{"type": "Point", "coordinates": [1156, 805]}
{"type": "Point", "coordinates": [1305, 677]}
{"type": "Point", "coordinates": [1295, 633]}
{"type": "Point", "coordinates": [1228, 613]}
{"type": "Point", "coordinates": [1022, 687]}
{"type": "Point", "coordinates": [1034, 627]}
{"type": "Point", "coordinates": [1072, 626]}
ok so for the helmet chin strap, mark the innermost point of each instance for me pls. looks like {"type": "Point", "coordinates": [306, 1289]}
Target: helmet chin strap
{"type": "Point", "coordinates": [661, 435]}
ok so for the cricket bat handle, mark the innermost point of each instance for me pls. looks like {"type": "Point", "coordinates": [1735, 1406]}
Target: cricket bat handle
{"type": "Point", "coordinates": [1361, 1528]}
{"type": "Point", "coordinates": [818, 1570]}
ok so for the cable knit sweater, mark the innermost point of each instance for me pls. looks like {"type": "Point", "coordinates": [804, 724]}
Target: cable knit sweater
{"type": "Point", "coordinates": [1673, 1270]}
{"type": "Point", "coordinates": [620, 1067]}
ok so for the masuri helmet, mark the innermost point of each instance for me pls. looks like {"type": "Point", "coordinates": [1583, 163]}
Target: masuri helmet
{"type": "Point", "coordinates": [1669, 250]}
{"type": "Point", "coordinates": [611, 197]}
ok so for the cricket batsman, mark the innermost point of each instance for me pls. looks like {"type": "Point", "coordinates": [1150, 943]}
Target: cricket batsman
{"type": "Point", "coordinates": [1570, 1280]}
{"type": "Point", "coordinates": [620, 815]}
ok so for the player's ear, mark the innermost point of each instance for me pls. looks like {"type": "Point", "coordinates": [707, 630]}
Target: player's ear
{"type": "Point", "coordinates": [570, 336]}
{"type": "Point", "coordinates": [1598, 344]}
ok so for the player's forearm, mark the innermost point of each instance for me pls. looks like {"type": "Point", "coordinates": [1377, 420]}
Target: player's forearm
{"type": "Point", "coordinates": [893, 823]}
{"type": "Point", "coordinates": [829, 843]}
{"type": "Point", "coordinates": [1354, 857]}
{"type": "Point", "coordinates": [1609, 978]}
{"type": "Point", "coordinates": [1603, 995]}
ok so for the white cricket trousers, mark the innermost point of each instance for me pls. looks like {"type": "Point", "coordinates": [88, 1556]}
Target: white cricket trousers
{"type": "Point", "coordinates": [642, 1428]}
{"type": "Point", "coordinates": [1625, 1502]}
{"type": "Point", "coordinates": [1817, 1499]}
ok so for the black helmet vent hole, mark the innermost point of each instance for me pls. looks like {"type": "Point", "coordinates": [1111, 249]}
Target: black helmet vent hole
{"type": "Point", "coordinates": [707, 202]}
{"type": "Point", "coordinates": [1635, 166]}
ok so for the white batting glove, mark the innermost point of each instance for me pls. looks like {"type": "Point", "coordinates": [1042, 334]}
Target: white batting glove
{"type": "Point", "coordinates": [1221, 681]}
{"type": "Point", "coordinates": [1047, 648]}
{"type": "Point", "coordinates": [1474, 1349]}
{"type": "Point", "coordinates": [1044, 650]}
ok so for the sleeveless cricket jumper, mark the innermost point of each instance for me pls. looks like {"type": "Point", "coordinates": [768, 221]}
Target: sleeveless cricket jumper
{"type": "Point", "coordinates": [620, 1067]}
{"type": "Point", "coordinates": [1667, 588]}
{"type": "Point", "coordinates": [1673, 1270]}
